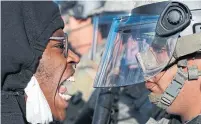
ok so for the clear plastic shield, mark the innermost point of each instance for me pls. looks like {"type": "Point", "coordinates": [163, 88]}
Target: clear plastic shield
{"type": "Point", "coordinates": [133, 53]}
{"type": "Point", "coordinates": [102, 23]}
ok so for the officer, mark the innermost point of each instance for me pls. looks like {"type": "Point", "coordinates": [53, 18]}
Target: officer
{"type": "Point", "coordinates": [159, 44]}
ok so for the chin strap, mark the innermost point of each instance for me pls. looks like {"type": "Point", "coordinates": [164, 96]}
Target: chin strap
{"type": "Point", "coordinates": [177, 83]}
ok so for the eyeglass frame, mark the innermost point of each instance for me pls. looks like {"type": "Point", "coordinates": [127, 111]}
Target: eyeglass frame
{"type": "Point", "coordinates": [65, 41]}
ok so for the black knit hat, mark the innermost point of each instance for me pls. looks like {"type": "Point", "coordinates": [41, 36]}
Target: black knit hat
{"type": "Point", "coordinates": [26, 28]}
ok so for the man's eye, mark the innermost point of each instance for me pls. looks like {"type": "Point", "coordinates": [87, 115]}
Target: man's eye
{"type": "Point", "coordinates": [60, 46]}
{"type": "Point", "coordinates": [160, 50]}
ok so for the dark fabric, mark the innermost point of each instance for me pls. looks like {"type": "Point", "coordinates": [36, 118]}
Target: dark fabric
{"type": "Point", "coordinates": [12, 108]}
{"type": "Point", "coordinates": [26, 27]}
{"type": "Point", "coordinates": [158, 113]}
{"type": "Point", "coordinates": [174, 119]}
{"type": "Point", "coordinates": [196, 120]}
{"type": "Point", "coordinates": [74, 109]}
{"type": "Point", "coordinates": [135, 101]}
{"type": "Point", "coordinates": [81, 112]}
{"type": "Point", "coordinates": [87, 112]}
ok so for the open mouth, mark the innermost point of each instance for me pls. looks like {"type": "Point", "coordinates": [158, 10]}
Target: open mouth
{"type": "Point", "coordinates": [64, 94]}
{"type": "Point", "coordinates": [66, 97]}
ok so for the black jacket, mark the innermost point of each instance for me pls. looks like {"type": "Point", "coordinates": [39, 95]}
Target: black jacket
{"type": "Point", "coordinates": [26, 28]}
{"type": "Point", "coordinates": [196, 120]}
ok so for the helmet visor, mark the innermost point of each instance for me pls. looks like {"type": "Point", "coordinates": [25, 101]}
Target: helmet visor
{"type": "Point", "coordinates": [101, 25]}
{"type": "Point", "coordinates": [133, 53]}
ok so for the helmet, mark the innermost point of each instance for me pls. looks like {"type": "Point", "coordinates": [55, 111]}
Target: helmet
{"type": "Point", "coordinates": [102, 13]}
{"type": "Point", "coordinates": [148, 41]}
{"type": "Point", "coordinates": [103, 17]}
{"type": "Point", "coordinates": [79, 9]}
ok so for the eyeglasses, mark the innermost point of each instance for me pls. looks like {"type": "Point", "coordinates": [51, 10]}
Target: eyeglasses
{"type": "Point", "coordinates": [64, 40]}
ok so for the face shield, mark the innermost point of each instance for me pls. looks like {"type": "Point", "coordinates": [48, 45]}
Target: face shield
{"type": "Point", "coordinates": [134, 52]}
{"type": "Point", "coordinates": [101, 24]}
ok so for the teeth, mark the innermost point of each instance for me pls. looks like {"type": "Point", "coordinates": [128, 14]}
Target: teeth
{"type": "Point", "coordinates": [68, 81]}
{"type": "Point", "coordinates": [72, 79]}
{"type": "Point", "coordinates": [65, 96]}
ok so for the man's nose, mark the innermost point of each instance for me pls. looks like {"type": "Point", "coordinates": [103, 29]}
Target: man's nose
{"type": "Point", "coordinates": [72, 58]}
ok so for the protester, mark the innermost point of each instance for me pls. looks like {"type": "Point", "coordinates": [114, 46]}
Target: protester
{"type": "Point", "coordinates": [35, 61]}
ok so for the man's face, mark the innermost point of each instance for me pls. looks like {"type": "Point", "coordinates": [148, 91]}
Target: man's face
{"type": "Point", "coordinates": [80, 33]}
{"type": "Point", "coordinates": [52, 70]}
{"type": "Point", "coordinates": [189, 94]}
{"type": "Point", "coordinates": [160, 82]}
{"type": "Point", "coordinates": [71, 27]}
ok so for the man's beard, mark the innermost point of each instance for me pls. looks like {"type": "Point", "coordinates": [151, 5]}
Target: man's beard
{"type": "Point", "coordinates": [45, 76]}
